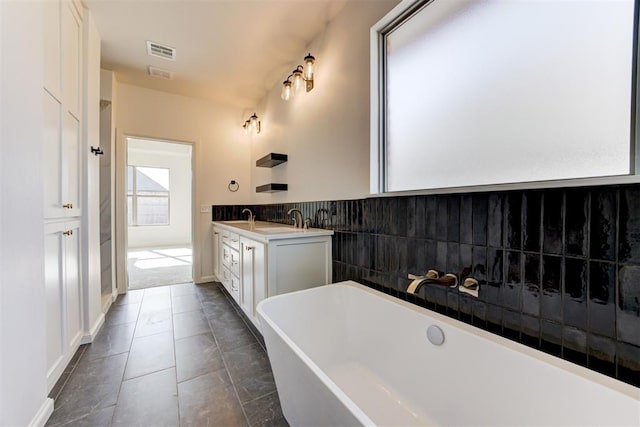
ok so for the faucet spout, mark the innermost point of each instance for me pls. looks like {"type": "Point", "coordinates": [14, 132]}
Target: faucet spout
{"type": "Point", "coordinates": [297, 215]}
{"type": "Point", "coordinates": [252, 217]}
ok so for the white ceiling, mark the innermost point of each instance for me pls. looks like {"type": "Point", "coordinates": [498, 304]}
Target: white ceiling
{"type": "Point", "coordinates": [230, 51]}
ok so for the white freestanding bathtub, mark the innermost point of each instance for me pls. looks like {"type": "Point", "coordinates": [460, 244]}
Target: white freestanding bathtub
{"type": "Point", "coordinates": [344, 354]}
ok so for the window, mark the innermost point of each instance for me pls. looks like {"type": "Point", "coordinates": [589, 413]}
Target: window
{"type": "Point", "coordinates": [503, 92]}
{"type": "Point", "coordinates": [147, 196]}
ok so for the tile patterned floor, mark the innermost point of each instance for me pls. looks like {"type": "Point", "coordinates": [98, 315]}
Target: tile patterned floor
{"type": "Point", "coordinates": [179, 355]}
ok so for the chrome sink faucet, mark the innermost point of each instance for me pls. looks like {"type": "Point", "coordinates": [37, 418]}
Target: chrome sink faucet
{"type": "Point", "coordinates": [252, 217]}
{"type": "Point", "coordinates": [297, 214]}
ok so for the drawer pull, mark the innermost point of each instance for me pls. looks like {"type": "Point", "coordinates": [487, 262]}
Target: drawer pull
{"type": "Point", "coordinates": [249, 248]}
{"type": "Point", "coordinates": [68, 232]}
{"type": "Point", "coordinates": [68, 206]}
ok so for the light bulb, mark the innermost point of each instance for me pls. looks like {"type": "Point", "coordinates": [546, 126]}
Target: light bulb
{"type": "Point", "coordinates": [286, 90]}
{"type": "Point", "coordinates": [298, 81]}
{"type": "Point", "coordinates": [308, 67]}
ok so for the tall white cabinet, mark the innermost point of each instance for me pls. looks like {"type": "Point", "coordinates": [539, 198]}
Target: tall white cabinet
{"type": "Point", "coordinates": [62, 144]}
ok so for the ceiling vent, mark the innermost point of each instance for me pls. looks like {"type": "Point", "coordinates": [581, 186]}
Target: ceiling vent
{"type": "Point", "coordinates": [160, 73]}
{"type": "Point", "coordinates": [160, 51]}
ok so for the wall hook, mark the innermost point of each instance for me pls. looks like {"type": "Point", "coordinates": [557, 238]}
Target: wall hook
{"type": "Point", "coordinates": [97, 150]}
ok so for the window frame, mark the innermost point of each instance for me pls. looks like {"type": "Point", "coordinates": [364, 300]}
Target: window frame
{"type": "Point", "coordinates": [134, 198]}
{"type": "Point", "coordinates": [378, 148]}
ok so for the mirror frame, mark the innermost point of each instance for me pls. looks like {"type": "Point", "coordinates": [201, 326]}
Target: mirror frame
{"type": "Point", "coordinates": [378, 183]}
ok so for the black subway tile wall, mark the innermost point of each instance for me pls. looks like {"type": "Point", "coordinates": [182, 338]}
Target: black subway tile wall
{"type": "Point", "coordinates": [559, 269]}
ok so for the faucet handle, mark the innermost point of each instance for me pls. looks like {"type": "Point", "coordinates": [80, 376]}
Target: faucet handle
{"type": "Point", "coordinates": [470, 286]}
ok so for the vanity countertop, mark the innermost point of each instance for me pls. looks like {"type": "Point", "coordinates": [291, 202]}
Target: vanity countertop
{"type": "Point", "coordinates": [262, 230]}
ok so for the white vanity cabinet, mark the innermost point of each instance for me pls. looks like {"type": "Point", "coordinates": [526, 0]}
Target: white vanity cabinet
{"type": "Point", "coordinates": [272, 259]}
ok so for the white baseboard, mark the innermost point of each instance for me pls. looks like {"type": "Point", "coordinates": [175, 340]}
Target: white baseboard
{"type": "Point", "coordinates": [88, 338]}
{"type": "Point", "coordinates": [43, 414]}
{"type": "Point", "coordinates": [205, 279]}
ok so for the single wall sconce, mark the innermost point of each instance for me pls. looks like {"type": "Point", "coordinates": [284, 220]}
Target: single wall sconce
{"type": "Point", "coordinates": [251, 124]}
{"type": "Point", "coordinates": [301, 77]}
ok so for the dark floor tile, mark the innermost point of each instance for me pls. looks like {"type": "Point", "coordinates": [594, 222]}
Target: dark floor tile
{"type": "Point", "coordinates": [210, 400]}
{"type": "Point", "coordinates": [265, 411]}
{"type": "Point", "coordinates": [230, 332]}
{"type": "Point", "coordinates": [94, 385]}
{"type": "Point", "coordinates": [208, 291]}
{"type": "Point", "coordinates": [99, 370]}
{"type": "Point", "coordinates": [184, 303]}
{"type": "Point", "coordinates": [111, 340]}
{"type": "Point", "coordinates": [154, 322]}
{"type": "Point", "coordinates": [150, 400]}
{"type": "Point", "coordinates": [155, 302]}
{"type": "Point", "coordinates": [131, 297]}
{"type": "Point", "coordinates": [98, 418]}
{"type": "Point", "coordinates": [250, 371]}
{"type": "Point", "coordinates": [120, 314]}
{"type": "Point", "coordinates": [189, 323]}
{"type": "Point", "coordinates": [150, 354]}
{"type": "Point", "coordinates": [197, 355]}
{"type": "Point", "coordinates": [183, 289]}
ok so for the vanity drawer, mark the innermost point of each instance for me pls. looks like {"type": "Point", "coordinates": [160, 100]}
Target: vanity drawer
{"type": "Point", "coordinates": [231, 259]}
{"type": "Point", "coordinates": [231, 239]}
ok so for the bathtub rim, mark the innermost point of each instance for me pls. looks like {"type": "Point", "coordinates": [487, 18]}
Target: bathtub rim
{"type": "Point", "coordinates": [610, 383]}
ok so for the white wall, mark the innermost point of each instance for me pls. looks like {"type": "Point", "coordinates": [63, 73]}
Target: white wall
{"type": "Point", "coordinates": [176, 158]}
{"type": "Point", "coordinates": [220, 151]}
{"type": "Point", "coordinates": [22, 321]}
{"type": "Point", "coordinates": [325, 132]}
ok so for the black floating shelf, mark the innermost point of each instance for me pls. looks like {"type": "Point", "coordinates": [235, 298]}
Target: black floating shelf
{"type": "Point", "coordinates": [271, 160]}
{"type": "Point", "coordinates": [271, 188]}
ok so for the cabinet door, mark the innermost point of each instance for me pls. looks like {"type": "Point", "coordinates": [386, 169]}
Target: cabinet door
{"type": "Point", "coordinates": [246, 294]}
{"type": "Point", "coordinates": [52, 157]}
{"type": "Point", "coordinates": [217, 254]}
{"type": "Point", "coordinates": [71, 56]}
{"type": "Point", "coordinates": [51, 26]}
{"type": "Point", "coordinates": [259, 279]}
{"type": "Point", "coordinates": [54, 296]}
{"type": "Point", "coordinates": [253, 277]}
{"type": "Point", "coordinates": [72, 290]}
{"type": "Point", "coordinates": [71, 165]}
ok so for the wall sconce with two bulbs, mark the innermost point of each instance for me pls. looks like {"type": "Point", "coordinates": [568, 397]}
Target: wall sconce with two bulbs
{"type": "Point", "coordinates": [251, 124]}
{"type": "Point", "coordinates": [301, 76]}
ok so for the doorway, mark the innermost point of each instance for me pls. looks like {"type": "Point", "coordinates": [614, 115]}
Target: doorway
{"type": "Point", "coordinates": [159, 188]}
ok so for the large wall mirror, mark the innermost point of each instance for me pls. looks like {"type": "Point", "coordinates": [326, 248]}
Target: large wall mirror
{"type": "Point", "coordinates": [481, 93]}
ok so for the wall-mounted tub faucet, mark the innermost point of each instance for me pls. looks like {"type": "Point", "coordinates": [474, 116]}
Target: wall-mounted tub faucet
{"type": "Point", "coordinates": [297, 214]}
{"type": "Point", "coordinates": [252, 217]}
{"type": "Point", "coordinates": [432, 277]}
